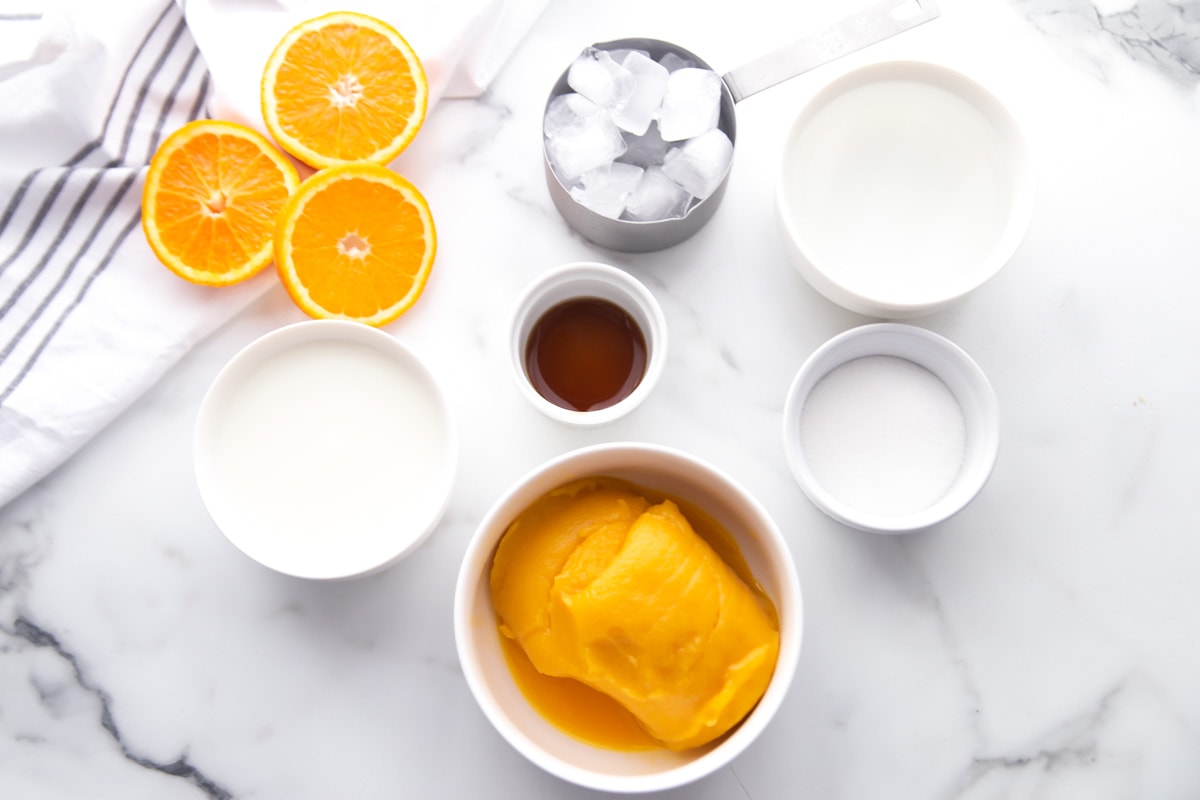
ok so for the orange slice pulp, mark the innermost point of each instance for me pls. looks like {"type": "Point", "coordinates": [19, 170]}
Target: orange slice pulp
{"type": "Point", "coordinates": [356, 242]}
{"type": "Point", "coordinates": [211, 199]}
{"type": "Point", "coordinates": [343, 87]}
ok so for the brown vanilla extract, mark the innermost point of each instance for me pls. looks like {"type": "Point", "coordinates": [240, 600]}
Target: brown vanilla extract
{"type": "Point", "coordinates": [585, 354]}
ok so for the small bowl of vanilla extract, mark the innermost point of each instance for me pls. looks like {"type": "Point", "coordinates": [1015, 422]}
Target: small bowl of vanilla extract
{"type": "Point", "coordinates": [588, 343]}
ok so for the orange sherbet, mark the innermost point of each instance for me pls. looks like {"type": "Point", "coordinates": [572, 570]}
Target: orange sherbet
{"type": "Point", "coordinates": [598, 584]}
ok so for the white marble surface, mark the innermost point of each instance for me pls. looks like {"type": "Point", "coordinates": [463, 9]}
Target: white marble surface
{"type": "Point", "coordinates": [1042, 644]}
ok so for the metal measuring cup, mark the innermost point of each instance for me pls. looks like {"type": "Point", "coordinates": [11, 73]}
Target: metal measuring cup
{"type": "Point", "coordinates": [859, 30]}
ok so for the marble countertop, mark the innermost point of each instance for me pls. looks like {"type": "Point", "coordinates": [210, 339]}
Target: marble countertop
{"type": "Point", "coordinates": [1042, 643]}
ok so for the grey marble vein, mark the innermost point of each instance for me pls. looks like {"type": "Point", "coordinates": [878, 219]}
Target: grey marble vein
{"type": "Point", "coordinates": [1072, 743]}
{"type": "Point", "coordinates": [37, 636]}
{"type": "Point", "coordinates": [1162, 34]}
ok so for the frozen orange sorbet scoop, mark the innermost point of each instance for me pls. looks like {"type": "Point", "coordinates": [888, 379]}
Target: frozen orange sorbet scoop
{"type": "Point", "coordinates": [596, 583]}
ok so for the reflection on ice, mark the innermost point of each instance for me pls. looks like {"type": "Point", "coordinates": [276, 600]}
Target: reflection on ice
{"type": "Point", "coordinates": [701, 163]}
{"type": "Point", "coordinates": [579, 136]}
{"type": "Point", "coordinates": [606, 190]}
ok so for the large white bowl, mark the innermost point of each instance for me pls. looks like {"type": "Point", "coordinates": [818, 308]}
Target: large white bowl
{"type": "Point", "coordinates": [483, 663]}
{"type": "Point", "coordinates": [325, 450]}
{"type": "Point", "coordinates": [903, 186]}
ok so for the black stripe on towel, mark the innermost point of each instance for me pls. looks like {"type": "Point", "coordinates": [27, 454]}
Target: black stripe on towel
{"type": "Point", "coordinates": [84, 151]}
{"type": "Point", "coordinates": [81, 200]}
{"type": "Point", "coordinates": [120, 215]}
{"type": "Point", "coordinates": [77, 161]}
{"type": "Point", "coordinates": [105, 260]}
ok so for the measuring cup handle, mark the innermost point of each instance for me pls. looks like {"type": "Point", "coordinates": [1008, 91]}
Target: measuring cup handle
{"type": "Point", "coordinates": [853, 33]}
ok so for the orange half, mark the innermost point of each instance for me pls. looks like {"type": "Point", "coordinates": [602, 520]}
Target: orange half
{"type": "Point", "coordinates": [211, 200]}
{"type": "Point", "coordinates": [356, 242]}
{"type": "Point", "coordinates": [344, 87]}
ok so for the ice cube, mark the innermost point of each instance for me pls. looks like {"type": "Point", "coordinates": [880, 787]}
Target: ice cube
{"type": "Point", "coordinates": [620, 53]}
{"type": "Point", "coordinates": [566, 112]}
{"type": "Point", "coordinates": [647, 150]}
{"type": "Point", "coordinates": [699, 165]}
{"type": "Point", "coordinates": [650, 82]}
{"type": "Point", "coordinates": [607, 189]}
{"type": "Point", "coordinates": [579, 136]}
{"type": "Point", "coordinates": [673, 61]}
{"type": "Point", "coordinates": [691, 104]}
{"type": "Point", "coordinates": [657, 197]}
{"type": "Point", "coordinates": [596, 76]}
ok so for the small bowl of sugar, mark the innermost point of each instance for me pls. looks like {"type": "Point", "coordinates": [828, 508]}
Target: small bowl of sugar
{"type": "Point", "coordinates": [890, 428]}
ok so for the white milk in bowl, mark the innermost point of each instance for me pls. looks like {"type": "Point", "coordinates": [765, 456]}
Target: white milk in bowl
{"type": "Point", "coordinates": [325, 450]}
{"type": "Point", "coordinates": [904, 185]}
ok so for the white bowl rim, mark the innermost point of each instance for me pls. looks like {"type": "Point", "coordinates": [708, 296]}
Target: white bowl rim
{"type": "Point", "coordinates": [1020, 215]}
{"type": "Point", "coordinates": [295, 334]}
{"type": "Point", "coordinates": [479, 553]}
{"type": "Point", "coordinates": [636, 299]}
{"type": "Point", "coordinates": [879, 338]}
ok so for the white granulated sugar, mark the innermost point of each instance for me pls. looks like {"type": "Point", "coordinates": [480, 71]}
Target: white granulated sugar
{"type": "Point", "coordinates": [883, 435]}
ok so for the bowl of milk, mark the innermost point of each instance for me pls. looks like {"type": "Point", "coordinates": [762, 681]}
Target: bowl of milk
{"type": "Point", "coordinates": [325, 450]}
{"type": "Point", "coordinates": [890, 428]}
{"type": "Point", "coordinates": [903, 186]}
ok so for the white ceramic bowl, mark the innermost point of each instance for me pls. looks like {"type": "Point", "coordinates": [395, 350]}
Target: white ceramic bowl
{"type": "Point", "coordinates": [483, 662]}
{"type": "Point", "coordinates": [325, 450]}
{"type": "Point", "coordinates": [903, 186]}
{"type": "Point", "coordinates": [881, 436]}
{"type": "Point", "coordinates": [589, 279]}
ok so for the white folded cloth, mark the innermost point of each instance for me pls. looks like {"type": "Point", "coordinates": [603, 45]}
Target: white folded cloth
{"type": "Point", "coordinates": [88, 317]}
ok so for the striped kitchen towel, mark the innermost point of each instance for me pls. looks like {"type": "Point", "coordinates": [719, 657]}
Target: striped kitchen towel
{"type": "Point", "coordinates": [88, 318]}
